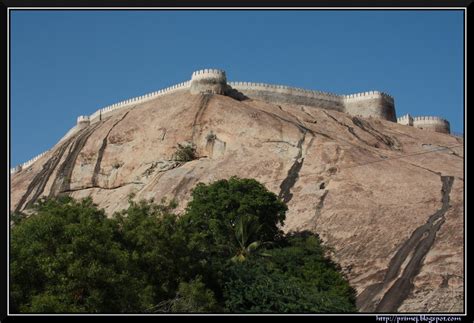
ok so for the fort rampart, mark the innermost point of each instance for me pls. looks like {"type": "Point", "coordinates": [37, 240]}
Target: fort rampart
{"type": "Point", "coordinates": [208, 81]}
{"type": "Point", "coordinates": [430, 123]}
{"type": "Point", "coordinates": [366, 104]}
{"type": "Point", "coordinates": [20, 167]}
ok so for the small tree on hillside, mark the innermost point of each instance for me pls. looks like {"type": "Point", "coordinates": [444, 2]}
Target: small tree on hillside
{"type": "Point", "coordinates": [185, 152]}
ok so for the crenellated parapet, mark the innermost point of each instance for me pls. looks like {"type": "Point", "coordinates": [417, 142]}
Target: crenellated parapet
{"type": "Point", "coordinates": [368, 95]}
{"type": "Point", "coordinates": [430, 123]}
{"type": "Point", "coordinates": [209, 81]}
{"type": "Point", "coordinates": [366, 104]}
{"type": "Point", "coordinates": [83, 121]}
{"type": "Point", "coordinates": [16, 169]}
{"type": "Point", "coordinates": [27, 164]}
{"type": "Point", "coordinates": [214, 74]}
{"type": "Point", "coordinates": [96, 116]}
{"type": "Point", "coordinates": [290, 95]}
{"type": "Point", "coordinates": [283, 89]}
{"type": "Point", "coordinates": [372, 104]}
{"type": "Point", "coordinates": [428, 118]}
{"type": "Point", "coordinates": [405, 120]}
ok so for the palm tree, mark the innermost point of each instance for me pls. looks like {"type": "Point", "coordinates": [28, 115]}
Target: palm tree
{"type": "Point", "coordinates": [246, 232]}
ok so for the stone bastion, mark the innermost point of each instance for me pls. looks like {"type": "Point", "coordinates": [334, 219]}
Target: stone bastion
{"type": "Point", "coordinates": [372, 104]}
{"type": "Point", "coordinates": [208, 81]}
{"type": "Point", "coordinates": [429, 123]}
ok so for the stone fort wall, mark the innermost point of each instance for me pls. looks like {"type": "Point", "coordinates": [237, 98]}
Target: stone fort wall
{"type": "Point", "coordinates": [430, 123]}
{"type": "Point", "coordinates": [20, 167]}
{"type": "Point", "coordinates": [286, 94]}
{"type": "Point", "coordinates": [208, 81]}
{"type": "Point", "coordinates": [366, 104]}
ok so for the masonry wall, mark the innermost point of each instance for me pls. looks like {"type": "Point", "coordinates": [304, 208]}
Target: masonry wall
{"type": "Point", "coordinates": [432, 123]}
{"type": "Point", "coordinates": [406, 120]}
{"type": "Point", "coordinates": [371, 104]}
{"type": "Point", "coordinates": [27, 164]}
{"type": "Point", "coordinates": [208, 81]}
{"type": "Point", "coordinates": [285, 94]}
{"type": "Point", "coordinates": [367, 104]}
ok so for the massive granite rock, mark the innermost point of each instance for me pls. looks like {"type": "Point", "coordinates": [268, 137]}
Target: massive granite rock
{"type": "Point", "coordinates": [386, 198]}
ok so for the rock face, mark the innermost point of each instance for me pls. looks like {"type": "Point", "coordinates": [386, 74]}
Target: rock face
{"type": "Point", "coordinates": [387, 198]}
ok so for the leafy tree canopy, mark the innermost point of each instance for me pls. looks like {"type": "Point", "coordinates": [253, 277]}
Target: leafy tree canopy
{"type": "Point", "coordinates": [295, 278]}
{"type": "Point", "coordinates": [65, 258]}
{"type": "Point", "coordinates": [226, 253]}
{"type": "Point", "coordinates": [230, 214]}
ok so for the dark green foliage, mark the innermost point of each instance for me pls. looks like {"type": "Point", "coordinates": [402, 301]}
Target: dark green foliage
{"type": "Point", "coordinates": [217, 210]}
{"type": "Point", "coordinates": [185, 153]}
{"type": "Point", "coordinates": [65, 258]}
{"type": "Point", "coordinates": [194, 297]}
{"type": "Point", "coordinates": [211, 223]}
{"type": "Point", "coordinates": [157, 247]}
{"type": "Point", "coordinates": [296, 278]}
{"type": "Point", "coordinates": [17, 217]}
{"type": "Point", "coordinates": [225, 253]}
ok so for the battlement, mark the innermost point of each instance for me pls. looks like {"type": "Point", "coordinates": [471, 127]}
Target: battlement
{"type": "Point", "coordinates": [215, 74]}
{"type": "Point", "coordinates": [284, 89]}
{"type": "Point", "coordinates": [96, 116]}
{"type": "Point", "coordinates": [405, 120]}
{"type": "Point", "coordinates": [369, 95]}
{"type": "Point", "coordinates": [16, 169]}
{"type": "Point", "coordinates": [83, 120]}
{"type": "Point", "coordinates": [429, 118]}
{"type": "Point", "coordinates": [20, 167]}
{"type": "Point", "coordinates": [373, 104]}
{"type": "Point", "coordinates": [430, 123]}
{"type": "Point", "coordinates": [209, 81]}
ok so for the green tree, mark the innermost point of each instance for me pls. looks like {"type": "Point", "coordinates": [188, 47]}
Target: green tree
{"type": "Point", "coordinates": [297, 277]}
{"type": "Point", "coordinates": [225, 253]}
{"type": "Point", "coordinates": [149, 232]}
{"type": "Point", "coordinates": [194, 297]}
{"type": "Point", "coordinates": [64, 258]}
{"type": "Point", "coordinates": [221, 211]}
{"type": "Point", "coordinates": [247, 231]}
{"type": "Point", "coordinates": [216, 210]}
{"type": "Point", "coordinates": [185, 152]}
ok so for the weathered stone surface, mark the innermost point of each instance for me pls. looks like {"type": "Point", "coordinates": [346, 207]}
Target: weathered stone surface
{"type": "Point", "coordinates": [371, 188]}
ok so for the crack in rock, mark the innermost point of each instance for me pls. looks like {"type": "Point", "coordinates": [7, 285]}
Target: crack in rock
{"type": "Point", "coordinates": [428, 170]}
{"type": "Point", "coordinates": [102, 150]}
{"type": "Point", "coordinates": [390, 142]}
{"type": "Point", "coordinates": [417, 246]}
{"type": "Point", "coordinates": [430, 146]}
{"type": "Point", "coordinates": [62, 181]}
{"type": "Point", "coordinates": [320, 205]}
{"type": "Point", "coordinates": [102, 187]}
{"type": "Point", "coordinates": [349, 128]}
{"type": "Point", "coordinates": [41, 179]}
{"type": "Point", "coordinates": [279, 141]}
{"type": "Point", "coordinates": [308, 114]}
{"type": "Point", "coordinates": [293, 173]}
{"type": "Point", "coordinates": [203, 104]}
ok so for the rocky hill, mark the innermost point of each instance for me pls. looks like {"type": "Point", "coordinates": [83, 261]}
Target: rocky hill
{"type": "Point", "coordinates": [387, 198]}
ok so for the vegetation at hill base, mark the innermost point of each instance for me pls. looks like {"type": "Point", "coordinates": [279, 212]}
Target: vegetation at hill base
{"type": "Point", "coordinates": [225, 253]}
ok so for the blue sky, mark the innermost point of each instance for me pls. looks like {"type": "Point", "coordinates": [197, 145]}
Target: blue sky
{"type": "Point", "coordinates": [70, 63]}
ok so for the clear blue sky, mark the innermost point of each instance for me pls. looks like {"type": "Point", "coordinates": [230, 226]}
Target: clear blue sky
{"type": "Point", "coordinates": [70, 63]}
